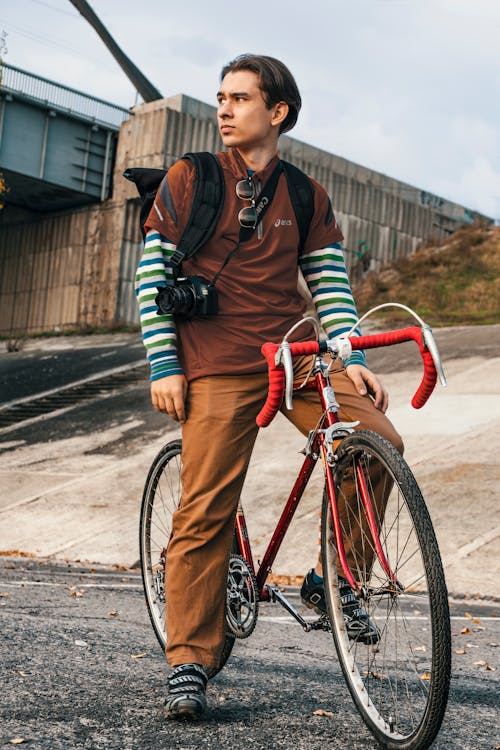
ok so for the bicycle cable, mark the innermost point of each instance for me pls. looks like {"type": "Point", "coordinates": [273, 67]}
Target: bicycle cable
{"type": "Point", "coordinates": [379, 307]}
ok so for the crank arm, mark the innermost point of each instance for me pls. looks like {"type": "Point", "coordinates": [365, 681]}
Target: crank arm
{"type": "Point", "coordinates": [277, 596]}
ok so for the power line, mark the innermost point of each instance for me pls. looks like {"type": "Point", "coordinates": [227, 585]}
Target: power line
{"type": "Point", "coordinates": [52, 42]}
{"type": "Point", "coordinates": [53, 7]}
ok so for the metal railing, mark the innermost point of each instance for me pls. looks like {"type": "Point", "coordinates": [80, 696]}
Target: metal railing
{"type": "Point", "coordinates": [63, 98]}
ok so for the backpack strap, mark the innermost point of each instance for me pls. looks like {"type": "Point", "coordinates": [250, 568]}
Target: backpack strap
{"type": "Point", "coordinates": [206, 208]}
{"type": "Point", "coordinates": [301, 193]}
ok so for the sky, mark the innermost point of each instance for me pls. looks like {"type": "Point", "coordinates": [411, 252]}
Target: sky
{"type": "Point", "coordinates": [410, 88]}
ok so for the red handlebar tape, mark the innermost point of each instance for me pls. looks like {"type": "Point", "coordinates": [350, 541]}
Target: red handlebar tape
{"type": "Point", "coordinates": [302, 348]}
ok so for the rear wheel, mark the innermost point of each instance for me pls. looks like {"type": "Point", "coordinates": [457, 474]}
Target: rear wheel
{"type": "Point", "coordinates": [400, 683]}
{"type": "Point", "coordinates": [162, 494]}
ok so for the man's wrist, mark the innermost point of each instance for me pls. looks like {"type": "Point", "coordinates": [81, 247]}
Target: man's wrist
{"type": "Point", "coordinates": [356, 358]}
{"type": "Point", "coordinates": [165, 370]}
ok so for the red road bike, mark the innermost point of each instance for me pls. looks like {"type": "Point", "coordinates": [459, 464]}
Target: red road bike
{"type": "Point", "coordinates": [399, 684]}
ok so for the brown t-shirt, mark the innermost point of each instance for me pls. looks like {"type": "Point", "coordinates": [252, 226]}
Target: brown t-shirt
{"type": "Point", "coordinates": [257, 290]}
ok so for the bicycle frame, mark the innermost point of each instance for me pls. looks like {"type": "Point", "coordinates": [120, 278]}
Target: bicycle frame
{"type": "Point", "coordinates": [317, 448]}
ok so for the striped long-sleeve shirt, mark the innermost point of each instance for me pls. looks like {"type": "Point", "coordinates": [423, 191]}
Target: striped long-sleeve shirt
{"type": "Point", "coordinates": [324, 271]}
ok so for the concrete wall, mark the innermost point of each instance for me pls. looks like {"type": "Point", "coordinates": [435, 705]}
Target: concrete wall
{"type": "Point", "coordinates": [75, 268]}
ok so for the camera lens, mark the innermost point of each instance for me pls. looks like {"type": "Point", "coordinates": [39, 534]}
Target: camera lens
{"type": "Point", "coordinates": [176, 300]}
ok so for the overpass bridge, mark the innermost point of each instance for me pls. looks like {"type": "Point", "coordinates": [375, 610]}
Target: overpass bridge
{"type": "Point", "coordinates": [57, 144]}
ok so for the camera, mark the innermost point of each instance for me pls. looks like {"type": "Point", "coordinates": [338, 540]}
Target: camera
{"type": "Point", "coordinates": [187, 297]}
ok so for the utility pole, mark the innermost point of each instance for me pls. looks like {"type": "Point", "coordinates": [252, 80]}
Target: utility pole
{"type": "Point", "coordinates": [145, 88]}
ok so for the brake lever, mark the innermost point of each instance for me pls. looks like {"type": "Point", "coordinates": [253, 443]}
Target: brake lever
{"type": "Point", "coordinates": [431, 345]}
{"type": "Point", "coordinates": [284, 357]}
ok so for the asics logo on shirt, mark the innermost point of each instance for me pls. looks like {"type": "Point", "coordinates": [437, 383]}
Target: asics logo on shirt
{"type": "Point", "coordinates": [283, 223]}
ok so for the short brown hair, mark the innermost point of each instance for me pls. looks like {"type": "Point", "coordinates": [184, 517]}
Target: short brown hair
{"type": "Point", "coordinates": [276, 82]}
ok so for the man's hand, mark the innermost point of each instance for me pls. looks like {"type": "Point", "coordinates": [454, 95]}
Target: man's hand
{"type": "Point", "coordinates": [366, 382]}
{"type": "Point", "coordinates": [169, 394]}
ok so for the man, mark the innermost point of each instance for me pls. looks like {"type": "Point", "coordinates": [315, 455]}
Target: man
{"type": "Point", "coordinates": [208, 372]}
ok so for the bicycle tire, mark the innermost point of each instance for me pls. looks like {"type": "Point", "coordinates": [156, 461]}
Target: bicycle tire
{"type": "Point", "coordinates": [161, 497]}
{"type": "Point", "coordinates": [400, 684]}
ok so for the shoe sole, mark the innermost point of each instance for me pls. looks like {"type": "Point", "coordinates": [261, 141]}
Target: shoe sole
{"type": "Point", "coordinates": [189, 711]}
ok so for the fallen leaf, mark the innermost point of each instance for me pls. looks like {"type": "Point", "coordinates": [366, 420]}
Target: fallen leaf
{"type": "Point", "coordinates": [460, 651]}
{"type": "Point", "coordinates": [321, 712]}
{"type": "Point", "coordinates": [138, 656]}
{"type": "Point", "coordinates": [18, 740]}
{"type": "Point", "coordinates": [378, 675]}
{"type": "Point", "coordinates": [21, 673]}
{"type": "Point", "coordinates": [471, 617]}
{"type": "Point", "coordinates": [466, 631]}
{"type": "Point", "coordinates": [4, 593]}
{"type": "Point", "coordinates": [421, 648]}
{"type": "Point", "coordinates": [471, 645]}
{"type": "Point", "coordinates": [489, 668]}
{"type": "Point", "coordinates": [113, 613]}
{"type": "Point", "coordinates": [479, 663]}
{"type": "Point", "coordinates": [80, 643]}
{"type": "Point", "coordinates": [425, 676]}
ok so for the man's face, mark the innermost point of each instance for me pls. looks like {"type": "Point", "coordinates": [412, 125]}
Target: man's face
{"type": "Point", "coordinates": [243, 117]}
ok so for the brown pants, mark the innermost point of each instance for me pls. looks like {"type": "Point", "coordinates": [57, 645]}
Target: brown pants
{"type": "Point", "coordinates": [217, 441]}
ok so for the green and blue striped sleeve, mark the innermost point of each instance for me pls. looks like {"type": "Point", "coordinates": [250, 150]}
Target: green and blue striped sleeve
{"type": "Point", "coordinates": [326, 276]}
{"type": "Point", "coordinates": [158, 331]}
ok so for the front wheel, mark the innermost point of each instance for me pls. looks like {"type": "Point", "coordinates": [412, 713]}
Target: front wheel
{"type": "Point", "coordinates": [161, 497]}
{"type": "Point", "coordinates": [399, 678]}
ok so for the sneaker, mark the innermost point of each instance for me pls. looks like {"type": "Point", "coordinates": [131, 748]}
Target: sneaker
{"type": "Point", "coordinates": [313, 594]}
{"type": "Point", "coordinates": [187, 684]}
{"type": "Point", "coordinates": [358, 624]}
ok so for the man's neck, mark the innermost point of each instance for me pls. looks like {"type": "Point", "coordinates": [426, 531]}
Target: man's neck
{"type": "Point", "coordinates": [257, 158]}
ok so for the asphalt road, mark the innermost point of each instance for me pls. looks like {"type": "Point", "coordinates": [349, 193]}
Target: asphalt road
{"type": "Point", "coordinates": [81, 668]}
{"type": "Point", "coordinates": [52, 363]}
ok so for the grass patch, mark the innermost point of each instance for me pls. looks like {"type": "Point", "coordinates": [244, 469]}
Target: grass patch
{"type": "Point", "coordinates": [456, 282]}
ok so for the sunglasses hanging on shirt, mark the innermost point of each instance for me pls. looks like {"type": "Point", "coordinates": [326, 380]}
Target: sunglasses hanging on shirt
{"type": "Point", "coordinates": [245, 190]}
{"type": "Point", "coordinates": [250, 216]}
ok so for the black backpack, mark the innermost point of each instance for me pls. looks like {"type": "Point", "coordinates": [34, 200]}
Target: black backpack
{"type": "Point", "coordinates": [208, 200]}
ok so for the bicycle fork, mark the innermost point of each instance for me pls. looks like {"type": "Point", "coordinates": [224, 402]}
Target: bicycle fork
{"type": "Point", "coordinates": [326, 439]}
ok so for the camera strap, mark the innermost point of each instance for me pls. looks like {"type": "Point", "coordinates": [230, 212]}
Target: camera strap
{"type": "Point", "coordinates": [262, 203]}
